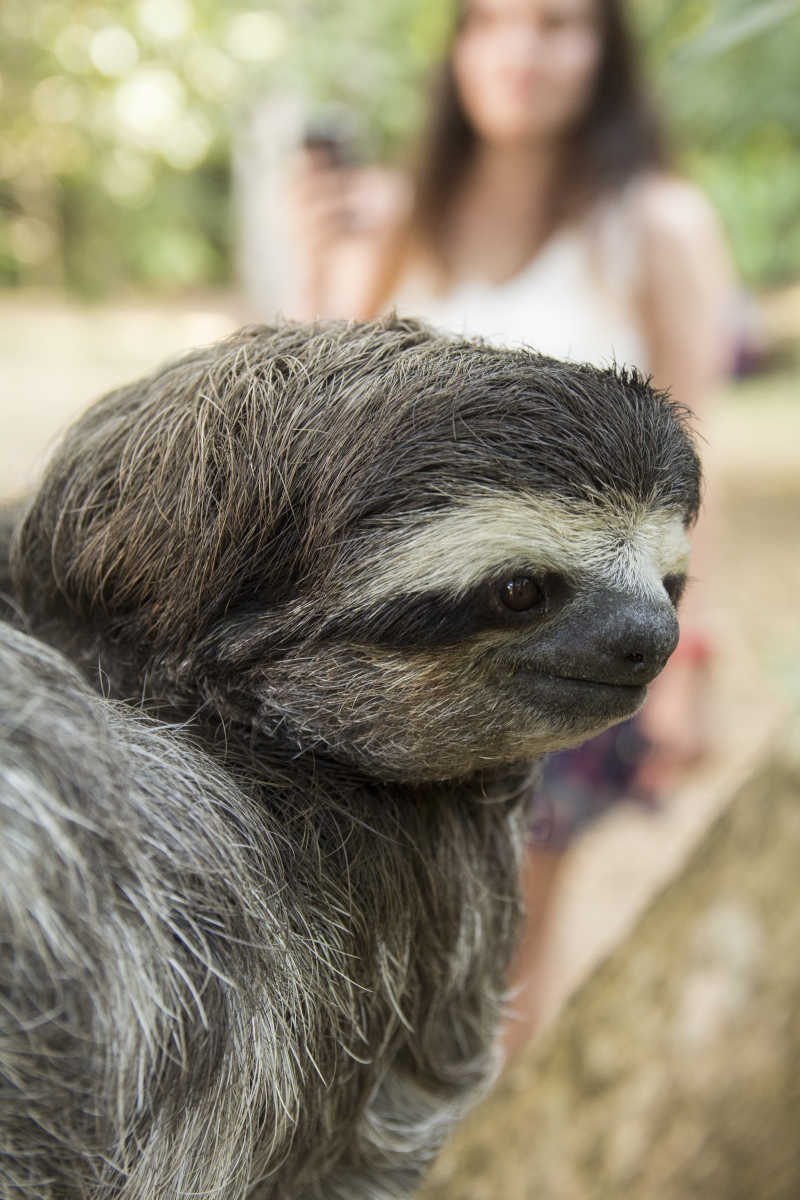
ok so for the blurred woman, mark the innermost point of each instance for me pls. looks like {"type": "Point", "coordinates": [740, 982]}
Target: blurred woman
{"type": "Point", "coordinates": [544, 210]}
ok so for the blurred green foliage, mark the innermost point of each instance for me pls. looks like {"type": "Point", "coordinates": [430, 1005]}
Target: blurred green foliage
{"type": "Point", "coordinates": [119, 118]}
{"type": "Point", "coordinates": [728, 74]}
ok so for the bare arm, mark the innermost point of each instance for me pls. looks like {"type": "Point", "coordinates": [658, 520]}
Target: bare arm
{"type": "Point", "coordinates": [686, 288]}
{"type": "Point", "coordinates": [686, 293]}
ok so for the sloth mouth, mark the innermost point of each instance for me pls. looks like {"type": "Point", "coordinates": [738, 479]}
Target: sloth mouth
{"type": "Point", "coordinates": [580, 696]}
{"type": "Point", "coordinates": [608, 685]}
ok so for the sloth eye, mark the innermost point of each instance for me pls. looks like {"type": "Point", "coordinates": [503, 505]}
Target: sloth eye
{"type": "Point", "coordinates": [521, 593]}
{"type": "Point", "coordinates": [674, 586]}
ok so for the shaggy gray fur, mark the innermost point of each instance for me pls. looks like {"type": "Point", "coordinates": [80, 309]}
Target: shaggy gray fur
{"type": "Point", "coordinates": [299, 986]}
{"type": "Point", "coordinates": [196, 995]}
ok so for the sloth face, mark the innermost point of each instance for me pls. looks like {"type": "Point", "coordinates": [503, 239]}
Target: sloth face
{"type": "Point", "coordinates": [415, 553]}
{"type": "Point", "coordinates": [504, 628]}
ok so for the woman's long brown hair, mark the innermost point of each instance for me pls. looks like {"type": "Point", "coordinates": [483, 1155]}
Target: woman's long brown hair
{"type": "Point", "coordinates": [619, 136]}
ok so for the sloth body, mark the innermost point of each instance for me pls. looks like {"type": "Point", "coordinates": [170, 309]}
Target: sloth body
{"type": "Point", "coordinates": [204, 992]}
{"type": "Point", "coordinates": [379, 572]}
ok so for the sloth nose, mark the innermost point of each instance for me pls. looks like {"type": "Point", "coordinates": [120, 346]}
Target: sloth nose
{"type": "Point", "coordinates": [635, 639]}
{"type": "Point", "coordinates": [608, 636]}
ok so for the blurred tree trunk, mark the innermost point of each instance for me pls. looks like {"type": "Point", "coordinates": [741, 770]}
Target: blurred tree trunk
{"type": "Point", "coordinates": [675, 1071]}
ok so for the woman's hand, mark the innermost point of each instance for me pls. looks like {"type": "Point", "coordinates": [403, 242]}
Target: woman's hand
{"type": "Point", "coordinates": [341, 219]}
{"type": "Point", "coordinates": [321, 216]}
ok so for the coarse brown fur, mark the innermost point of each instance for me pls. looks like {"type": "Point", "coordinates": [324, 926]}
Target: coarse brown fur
{"type": "Point", "coordinates": [232, 542]}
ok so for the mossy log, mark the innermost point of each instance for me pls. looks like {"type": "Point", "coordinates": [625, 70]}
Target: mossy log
{"type": "Point", "coordinates": [674, 1073]}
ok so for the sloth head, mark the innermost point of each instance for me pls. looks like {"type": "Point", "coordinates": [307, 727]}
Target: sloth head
{"type": "Point", "coordinates": [421, 555]}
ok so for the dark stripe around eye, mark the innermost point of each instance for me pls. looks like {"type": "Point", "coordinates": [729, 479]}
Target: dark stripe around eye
{"type": "Point", "coordinates": [674, 585]}
{"type": "Point", "coordinates": [410, 622]}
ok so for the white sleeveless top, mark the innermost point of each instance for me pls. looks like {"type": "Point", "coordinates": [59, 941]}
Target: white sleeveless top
{"type": "Point", "coordinates": [574, 300]}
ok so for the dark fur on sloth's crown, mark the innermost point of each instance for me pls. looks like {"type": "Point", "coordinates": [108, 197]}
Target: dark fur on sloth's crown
{"type": "Point", "coordinates": [240, 473]}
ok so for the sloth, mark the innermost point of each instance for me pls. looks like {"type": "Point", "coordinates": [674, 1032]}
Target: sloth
{"type": "Point", "coordinates": [133, 894]}
{"type": "Point", "coordinates": [375, 573]}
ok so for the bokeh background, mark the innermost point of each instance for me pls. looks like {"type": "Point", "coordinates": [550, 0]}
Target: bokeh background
{"type": "Point", "coordinates": [115, 166]}
{"type": "Point", "coordinates": [135, 221]}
